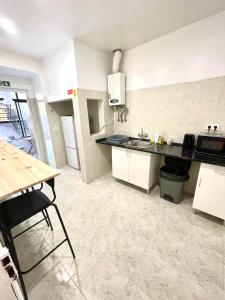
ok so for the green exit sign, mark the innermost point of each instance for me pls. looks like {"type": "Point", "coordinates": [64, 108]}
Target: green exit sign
{"type": "Point", "coordinates": [4, 83]}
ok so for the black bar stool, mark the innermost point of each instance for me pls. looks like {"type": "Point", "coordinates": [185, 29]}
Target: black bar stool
{"type": "Point", "coordinates": [17, 210]}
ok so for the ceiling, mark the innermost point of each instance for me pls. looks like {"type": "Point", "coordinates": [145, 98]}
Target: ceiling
{"type": "Point", "coordinates": [42, 26]}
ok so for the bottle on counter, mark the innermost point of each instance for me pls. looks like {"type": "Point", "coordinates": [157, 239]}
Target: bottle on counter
{"type": "Point", "coordinates": [160, 140]}
{"type": "Point", "coordinates": [169, 142]}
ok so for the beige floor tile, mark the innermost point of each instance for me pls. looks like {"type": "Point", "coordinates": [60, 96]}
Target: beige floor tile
{"type": "Point", "coordinates": [37, 274]}
{"type": "Point", "coordinates": [132, 292]}
{"type": "Point", "coordinates": [86, 257]}
{"type": "Point", "coordinates": [103, 282]}
{"type": "Point", "coordinates": [161, 269]}
{"type": "Point", "coordinates": [125, 252]}
{"type": "Point", "coordinates": [35, 236]}
{"type": "Point", "coordinates": [103, 235]}
{"type": "Point", "coordinates": [191, 286]}
{"type": "Point", "coordinates": [57, 235]}
{"type": "Point", "coordinates": [56, 285]}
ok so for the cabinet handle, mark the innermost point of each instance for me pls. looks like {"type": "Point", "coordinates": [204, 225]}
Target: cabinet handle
{"type": "Point", "coordinates": [200, 182]}
{"type": "Point", "coordinates": [220, 172]}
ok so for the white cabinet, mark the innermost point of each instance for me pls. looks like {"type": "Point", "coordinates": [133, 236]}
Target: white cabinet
{"type": "Point", "coordinates": [136, 167]}
{"type": "Point", "coordinates": [210, 190]}
{"type": "Point", "coordinates": [139, 166]}
{"type": "Point", "coordinates": [120, 163]}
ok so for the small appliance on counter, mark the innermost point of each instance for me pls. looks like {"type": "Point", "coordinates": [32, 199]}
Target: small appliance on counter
{"type": "Point", "coordinates": [211, 148]}
{"type": "Point", "coordinates": [189, 141]}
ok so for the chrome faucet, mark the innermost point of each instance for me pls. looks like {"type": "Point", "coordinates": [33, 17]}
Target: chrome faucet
{"type": "Point", "coordinates": [142, 134]}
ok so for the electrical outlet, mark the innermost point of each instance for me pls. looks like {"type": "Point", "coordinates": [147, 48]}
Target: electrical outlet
{"type": "Point", "coordinates": [217, 127]}
{"type": "Point", "coordinates": [212, 127]}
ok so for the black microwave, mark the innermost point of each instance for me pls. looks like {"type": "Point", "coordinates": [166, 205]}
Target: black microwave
{"type": "Point", "coordinates": [211, 145]}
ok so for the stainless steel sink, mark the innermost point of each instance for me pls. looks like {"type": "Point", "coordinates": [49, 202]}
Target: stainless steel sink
{"type": "Point", "coordinates": [138, 144]}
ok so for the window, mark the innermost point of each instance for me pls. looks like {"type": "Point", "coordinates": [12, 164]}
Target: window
{"type": "Point", "coordinates": [93, 115]}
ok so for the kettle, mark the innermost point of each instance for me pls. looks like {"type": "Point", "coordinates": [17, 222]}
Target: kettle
{"type": "Point", "coordinates": [189, 141]}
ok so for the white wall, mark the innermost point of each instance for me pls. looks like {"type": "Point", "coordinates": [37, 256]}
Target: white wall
{"type": "Point", "coordinates": [192, 53]}
{"type": "Point", "coordinates": [93, 66]}
{"type": "Point", "coordinates": [59, 72]}
{"type": "Point", "coordinates": [18, 84]}
{"type": "Point", "coordinates": [18, 61]}
{"type": "Point", "coordinates": [39, 87]}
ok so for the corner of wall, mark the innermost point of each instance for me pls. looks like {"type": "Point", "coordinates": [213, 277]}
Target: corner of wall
{"type": "Point", "coordinates": [95, 159]}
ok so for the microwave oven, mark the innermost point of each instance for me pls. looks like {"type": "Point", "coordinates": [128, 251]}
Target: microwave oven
{"type": "Point", "coordinates": [211, 145]}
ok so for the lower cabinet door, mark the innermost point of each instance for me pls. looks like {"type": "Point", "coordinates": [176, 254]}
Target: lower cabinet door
{"type": "Point", "coordinates": [139, 168]}
{"type": "Point", "coordinates": [210, 195]}
{"type": "Point", "coordinates": [120, 163]}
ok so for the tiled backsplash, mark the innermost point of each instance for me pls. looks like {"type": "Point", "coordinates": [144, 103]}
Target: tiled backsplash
{"type": "Point", "coordinates": [174, 110]}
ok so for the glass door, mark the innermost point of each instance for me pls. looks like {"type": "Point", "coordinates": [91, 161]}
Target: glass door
{"type": "Point", "coordinates": [15, 121]}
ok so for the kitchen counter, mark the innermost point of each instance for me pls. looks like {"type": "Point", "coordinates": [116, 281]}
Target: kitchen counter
{"type": "Point", "coordinates": [175, 150]}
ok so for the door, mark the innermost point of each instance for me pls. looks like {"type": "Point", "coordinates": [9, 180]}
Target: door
{"type": "Point", "coordinates": [17, 123]}
{"type": "Point", "coordinates": [68, 131]}
{"type": "Point", "coordinates": [139, 168]}
{"type": "Point", "coordinates": [120, 163]}
{"type": "Point", "coordinates": [210, 194]}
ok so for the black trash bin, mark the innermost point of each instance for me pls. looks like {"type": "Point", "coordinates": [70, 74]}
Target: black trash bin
{"type": "Point", "coordinates": [172, 178]}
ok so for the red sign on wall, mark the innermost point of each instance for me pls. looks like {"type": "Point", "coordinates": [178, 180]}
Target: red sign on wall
{"type": "Point", "coordinates": [72, 92]}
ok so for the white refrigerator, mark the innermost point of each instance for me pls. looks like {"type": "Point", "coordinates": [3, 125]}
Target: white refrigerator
{"type": "Point", "coordinates": [70, 141]}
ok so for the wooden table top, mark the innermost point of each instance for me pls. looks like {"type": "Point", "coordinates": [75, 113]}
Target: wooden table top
{"type": "Point", "coordinates": [19, 170]}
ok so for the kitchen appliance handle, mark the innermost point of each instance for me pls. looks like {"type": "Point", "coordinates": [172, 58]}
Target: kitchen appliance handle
{"type": "Point", "coordinates": [220, 172]}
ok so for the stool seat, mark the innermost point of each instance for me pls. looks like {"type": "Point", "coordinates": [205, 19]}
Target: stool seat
{"type": "Point", "coordinates": [24, 206]}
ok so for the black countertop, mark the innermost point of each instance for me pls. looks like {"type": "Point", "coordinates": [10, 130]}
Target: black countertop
{"type": "Point", "coordinates": [175, 150]}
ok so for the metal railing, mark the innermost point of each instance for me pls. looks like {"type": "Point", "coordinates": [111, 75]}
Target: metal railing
{"type": "Point", "coordinates": [7, 114]}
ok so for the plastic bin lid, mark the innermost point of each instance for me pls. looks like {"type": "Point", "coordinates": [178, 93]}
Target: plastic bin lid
{"type": "Point", "coordinates": [178, 163]}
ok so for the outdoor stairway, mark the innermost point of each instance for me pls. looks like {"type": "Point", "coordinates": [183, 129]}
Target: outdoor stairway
{"type": "Point", "coordinates": [4, 112]}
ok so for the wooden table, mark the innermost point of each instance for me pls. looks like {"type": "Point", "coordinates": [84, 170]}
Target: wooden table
{"type": "Point", "coordinates": [19, 171]}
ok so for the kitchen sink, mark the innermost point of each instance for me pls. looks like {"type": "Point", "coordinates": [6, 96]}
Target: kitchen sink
{"type": "Point", "coordinates": [138, 144]}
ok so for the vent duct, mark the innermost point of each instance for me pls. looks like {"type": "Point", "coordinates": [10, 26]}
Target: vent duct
{"type": "Point", "coordinates": [117, 53]}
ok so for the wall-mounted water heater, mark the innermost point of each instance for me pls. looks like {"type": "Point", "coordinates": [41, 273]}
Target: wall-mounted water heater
{"type": "Point", "coordinates": [116, 89]}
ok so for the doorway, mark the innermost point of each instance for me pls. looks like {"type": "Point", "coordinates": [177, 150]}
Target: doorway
{"type": "Point", "coordinates": [63, 133]}
{"type": "Point", "coordinates": [16, 121]}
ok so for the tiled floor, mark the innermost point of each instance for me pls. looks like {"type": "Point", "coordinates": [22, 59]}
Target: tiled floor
{"type": "Point", "coordinates": [129, 245]}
